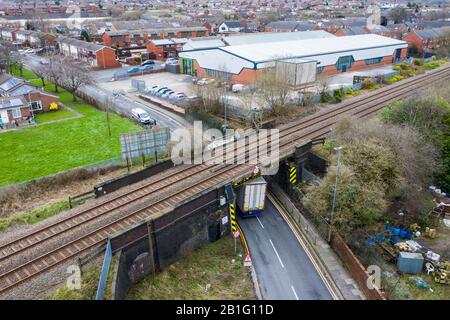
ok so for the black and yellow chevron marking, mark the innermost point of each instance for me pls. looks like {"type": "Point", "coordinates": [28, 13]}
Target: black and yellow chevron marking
{"type": "Point", "coordinates": [233, 218]}
{"type": "Point", "coordinates": [293, 175]}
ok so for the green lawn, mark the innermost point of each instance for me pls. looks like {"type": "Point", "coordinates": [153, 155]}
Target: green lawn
{"type": "Point", "coordinates": [47, 149]}
{"type": "Point", "coordinates": [54, 115]}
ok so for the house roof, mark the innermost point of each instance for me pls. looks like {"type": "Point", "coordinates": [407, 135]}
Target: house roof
{"type": "Point", "coordinates": [352, 31]}
{"type": "Point", "coordinates": [428, 34]}
{"type": "Point", "coordinates": [233, 24]}
{"type": "Point", "coordinates": [80, 44]}
{"type": "Point", "coordinates": [12, 102]}
{"type": "Point", "coordinates": [162, 42]}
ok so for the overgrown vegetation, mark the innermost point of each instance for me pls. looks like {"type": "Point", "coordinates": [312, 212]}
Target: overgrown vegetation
{"type": "Point", "coordinates": [211, 272]}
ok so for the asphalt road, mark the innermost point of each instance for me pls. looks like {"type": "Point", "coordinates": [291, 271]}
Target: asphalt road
{"type": "Point", "coordinates": [283, 269]}
{"type": "Point", "coordinates": [121, 104]}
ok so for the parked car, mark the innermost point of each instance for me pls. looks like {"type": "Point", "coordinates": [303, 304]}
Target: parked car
{"type": "Point", "coordinates": [161, 92]}
{"type": "Point", "coordinates": [150, 89]}
{"type": "Point", "coordinates": [30, 50]}
{"type": "Point", "coordinates": [147, 67]}
{"type": "Point", "coordinates": [134, 70]}
{"type": "Point", "coordinates": [154, 91]}
{"type": "Point", "coordinates": [167, 94]}
{"type": "Point", "coordinates": [147, 62]}
{"type": "Point", "coordinates": [142, 116]}
{"type": "Point", "coordinates": [43, 61]}
{"type": "Point", "coordinates": [172, 61]}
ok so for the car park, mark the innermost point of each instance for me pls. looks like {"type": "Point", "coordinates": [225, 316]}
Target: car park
{"type": "Point", "coordinates": [142, 116]}
{"type": "Point", "coordinates": [147, 67]}
{"type": "Point", "coordinates": [150, 89]}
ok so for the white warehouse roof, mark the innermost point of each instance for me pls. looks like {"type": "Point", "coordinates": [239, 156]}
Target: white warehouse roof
{"type": "Point", "coordinates": [325, 51]}
{"type": "Point", "coordinates": [313, 47]}
{"type": "Point", "coordinates": [264, 37]}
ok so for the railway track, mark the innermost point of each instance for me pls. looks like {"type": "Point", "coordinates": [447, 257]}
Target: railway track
{"type": "Point", "coordinates": [318, 125]}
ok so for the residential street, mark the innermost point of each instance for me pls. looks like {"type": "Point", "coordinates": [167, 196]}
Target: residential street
{"type": "Point", "coordinates": [123, 104]}
{"type": "Point", "coordinates": [282, 267]}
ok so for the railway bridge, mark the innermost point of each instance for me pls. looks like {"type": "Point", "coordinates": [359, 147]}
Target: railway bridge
{"type": "Point", "coordinates": [165, 198]}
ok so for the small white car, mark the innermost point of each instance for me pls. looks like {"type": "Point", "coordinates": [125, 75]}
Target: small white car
{"type": "Point", "coordinates": [172, 61]}
{"type": "Point", "coordinates": [142, 116]}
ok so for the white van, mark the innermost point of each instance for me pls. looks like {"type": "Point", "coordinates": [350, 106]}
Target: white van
{"type": "Point", "coordinates": [142, 116]}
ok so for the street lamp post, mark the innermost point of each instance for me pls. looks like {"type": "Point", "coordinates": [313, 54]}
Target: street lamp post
{"type": "Point", "coordinates": [333, 205]}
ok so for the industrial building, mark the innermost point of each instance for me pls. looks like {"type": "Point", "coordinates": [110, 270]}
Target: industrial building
{"type": "Point", "coordinates": [331, 55]}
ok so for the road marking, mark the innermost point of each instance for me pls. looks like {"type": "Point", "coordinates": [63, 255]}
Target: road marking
{"type": "Point", "coordinates": [295, 293]}
{"type": "Point", "coordinates": [260, 222]}
{"type": "Point", "coordinates": [276, 252]}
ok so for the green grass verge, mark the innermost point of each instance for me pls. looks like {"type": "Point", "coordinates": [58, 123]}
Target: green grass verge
{"type": "Point", "coordinates": [34, 152]}
{"type": "Point", "coordinates": [208, 267]}
{"type": "Point", "coordinates": [54, 115]}
{"type": "Point", "coordinates": [406, 289]}
{"type": "Point", "coordinates": [34, 216]}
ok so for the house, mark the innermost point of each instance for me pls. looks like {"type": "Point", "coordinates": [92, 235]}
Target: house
{"type": "Point", "coordinates": [162, 48]}
{"type": "Point", "coordinates": [8, 34]}
{"type": "Point", "coordinates": [350, 31]}
{"type": "Point", "coordinates": [97, 56]}
{"type": "Point", "coordinates": [230, 26]}
{"type": "Point", "coordinates": [14, 108]}
{"type": "Point", "coordinates": [290, 26]}
{"type": "Point", "coordinates": [11, 86]}
{"type": "Point", "coordinates": [22, 108]}
{"type": "Point", "coordinates": [127, 38]}
{"type": "Point", "coordinates": [420, 41]}
{"type": "Point", "coordinates": [35, 38]}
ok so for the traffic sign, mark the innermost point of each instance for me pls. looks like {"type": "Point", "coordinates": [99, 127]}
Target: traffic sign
{"type": "Point", "coordinates": [247, 261]}
{"type": "Point", "coordinates": [236, 234]}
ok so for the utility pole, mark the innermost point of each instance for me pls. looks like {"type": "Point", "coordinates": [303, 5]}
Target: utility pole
{"type": "Point", "coordinates": [333, 206]}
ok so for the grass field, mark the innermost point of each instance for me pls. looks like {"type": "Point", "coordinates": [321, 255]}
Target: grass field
{"type": "Point", "coordinates": [34, 152]}
{"type": "Point", "coordinates": [54, 115]}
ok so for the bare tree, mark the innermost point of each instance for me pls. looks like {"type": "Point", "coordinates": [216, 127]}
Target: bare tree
{"type": "Point", "coordinates": [42, 72]}
{"type": "Point", "coordinates": [274, 89]}
{"type": "Point", "coordinates": [54, 70]}
{"type": "Point", "coordinates": [75, 75]}
{"type": "Point", "coordinates": [9, 56]}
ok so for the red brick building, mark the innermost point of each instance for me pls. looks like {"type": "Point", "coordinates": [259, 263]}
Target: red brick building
{"type": "Point", "coordinates": [427, 39]}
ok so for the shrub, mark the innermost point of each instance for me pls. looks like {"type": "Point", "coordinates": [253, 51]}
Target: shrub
{"type": "Point", "coordinates": [418, 62]}
{"type": "Point", "coordinates": [337, 95]}
{"type": "Point", "coordinates": [325, 97]}
{"type": "Point", "coordinates": [368, 84]}
{"type": "Point", "coordinates": [350, 92]}
{"type": "Point", "coordinates": [53, 106]}
{"type": "Point", "coordinates": [395, 78]}
{"type": "Point", "coordinates": [396, 68]}
{"type": "Point", "coordinates": [138, 59]}
{"type": "Point", "coordinates": [403, 66]}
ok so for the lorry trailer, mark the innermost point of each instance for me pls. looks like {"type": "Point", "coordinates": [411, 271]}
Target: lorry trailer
{"type": "Point", "coordinates": [251, 196]}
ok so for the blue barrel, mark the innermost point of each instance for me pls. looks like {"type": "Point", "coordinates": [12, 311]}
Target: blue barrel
{"type": "Point", "coordinates": [409, 235]}
{"type": "Point", "coordinates": [371, 241]}
{"type": "Point", "coordinates": [402, 233]}
{"type": "Point", "coordinates": [396, 231]}
{"type": "Point", "coordinates": [394, 239]}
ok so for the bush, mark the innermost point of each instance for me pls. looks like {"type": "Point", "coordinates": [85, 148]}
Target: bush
{"type": "Point", "coordinates": [395, 78]}
{"type": "Point", "coordinates": [403, 66]}
{"type": "Point", "coordinates": [53, 106]}
{"type": "Point", "coordinates": [418, 62]}
{"type": "Point", "coordinates": [337, 95]}
{"type": "Point", "coordinates": [325, 97]}
{"type": "Point", "coordinates": [350, 92]}
{"type": "Point", "coordinates": [434, 64]}
{"type": "Point", "coordinates": [368, 84]}
{"type": "Point", "coordinates": [396, 68]}
{"type": "Point", "coordinates": [138, 59]}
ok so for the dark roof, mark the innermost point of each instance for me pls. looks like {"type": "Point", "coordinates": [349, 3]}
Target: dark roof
{"type": "Point", "coordinates": [352, 31]}
{"type": "Point", "coordinates": [233, 23]}
{"type": "Point", "coordinates": [80, 44]}
{"type": "Point", "coordinates": [292, 25]}
{"type": "Point", "coordinates": [428, 34]}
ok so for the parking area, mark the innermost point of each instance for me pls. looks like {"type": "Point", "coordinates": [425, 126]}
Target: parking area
{"type": "Point", "coordinates": [176, 82]}
{"type": "Point", "coordinates": [346, 79]}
